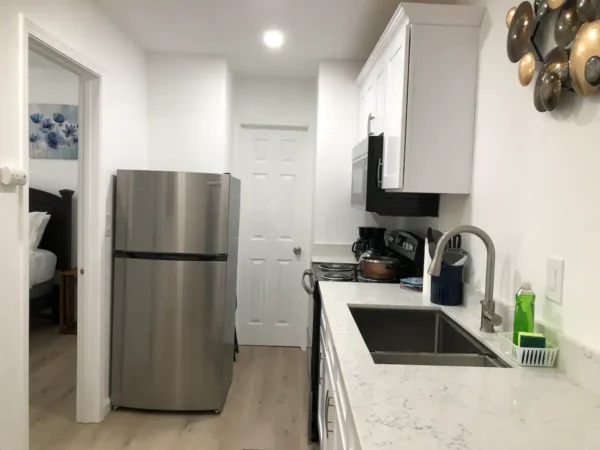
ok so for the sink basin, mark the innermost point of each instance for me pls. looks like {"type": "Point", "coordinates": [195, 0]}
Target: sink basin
{"type": "Point", "coordinates": [436, 359]}
{"type": "Point", "coordinates": [420, 337]}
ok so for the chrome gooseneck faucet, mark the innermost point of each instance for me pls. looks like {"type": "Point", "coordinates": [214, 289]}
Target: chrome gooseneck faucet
{"type": "Point", "coordinates": [489, 318]}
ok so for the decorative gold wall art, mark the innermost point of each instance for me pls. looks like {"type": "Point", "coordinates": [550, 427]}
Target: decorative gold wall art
{"type": "Point", "coordinates": [510, 15]}
{"type": "Point", "coordinates": [586, 48]}
{"type": "Point", "coordinates": [573, 65]}
{"type": "Point", "coordinates": [526, 69]}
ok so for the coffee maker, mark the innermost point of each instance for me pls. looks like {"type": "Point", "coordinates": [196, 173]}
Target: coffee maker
{"type": "Point", "coordinates": [370, 239]}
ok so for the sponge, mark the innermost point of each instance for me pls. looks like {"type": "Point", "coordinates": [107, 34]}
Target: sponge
{"type": "Point", "coordinates": [531, 340]}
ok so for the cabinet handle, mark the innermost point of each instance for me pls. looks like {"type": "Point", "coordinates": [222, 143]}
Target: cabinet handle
{"type": "Point", "coordinates": [379, 172]}
{"type": "Point", "coordinates": [369, 132]}
{"type": "Point", "coordinates": [327, 421]}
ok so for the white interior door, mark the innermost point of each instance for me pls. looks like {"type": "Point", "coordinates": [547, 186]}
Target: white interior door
{"type": "Point", "coordinates": [275, 220]}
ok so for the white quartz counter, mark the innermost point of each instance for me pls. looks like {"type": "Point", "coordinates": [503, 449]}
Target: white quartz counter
{"type": "Point", "coordinates": [430, 408]}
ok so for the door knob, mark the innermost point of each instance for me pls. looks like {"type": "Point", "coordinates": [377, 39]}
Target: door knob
{"type": "Point", "coordinates": [297, 251]}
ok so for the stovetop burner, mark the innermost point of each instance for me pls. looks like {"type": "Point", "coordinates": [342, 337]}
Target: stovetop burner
{"type": "Point", "coordinates": [338, 276]}
{"type": "Point", "coordinates": [365, 279]}
{"type": "Point", "coordinates": [334, 267]}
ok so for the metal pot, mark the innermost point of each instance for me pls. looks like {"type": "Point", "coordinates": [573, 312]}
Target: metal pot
{"type": "Point", "coordinates": [380, 267]}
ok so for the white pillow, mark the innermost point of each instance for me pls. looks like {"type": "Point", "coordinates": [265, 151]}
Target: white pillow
{"type": "Point", "coordinates": [35, 220]}
{"type": "Point", "coordinates": [40, 231]}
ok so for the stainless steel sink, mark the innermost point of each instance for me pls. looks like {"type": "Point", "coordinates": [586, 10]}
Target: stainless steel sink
{"type": "Point", "coordinates": [436, 359]}
{"type": "Point", "coordinates": [420, 337]}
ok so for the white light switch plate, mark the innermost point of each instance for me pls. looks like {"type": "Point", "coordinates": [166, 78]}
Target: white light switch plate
{"type": "Point", "coordinates": [554, 279]}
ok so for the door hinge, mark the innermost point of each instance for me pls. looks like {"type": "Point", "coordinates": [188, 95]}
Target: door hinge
{"type": "Point", "coordinates": [81, 271]}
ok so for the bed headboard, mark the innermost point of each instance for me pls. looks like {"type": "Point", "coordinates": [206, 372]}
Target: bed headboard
{"type": "Point", "coordinates": [58, 234]}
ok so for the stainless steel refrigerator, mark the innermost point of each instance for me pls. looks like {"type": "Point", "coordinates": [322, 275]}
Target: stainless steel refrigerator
{"type": "Point", "coordinates": [174, 289]}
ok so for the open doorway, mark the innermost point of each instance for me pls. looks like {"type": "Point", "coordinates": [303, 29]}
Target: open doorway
{"type": "Point", "coordinates": [53, 132]}
{"type": "Point", "coordinates": [63, 158]}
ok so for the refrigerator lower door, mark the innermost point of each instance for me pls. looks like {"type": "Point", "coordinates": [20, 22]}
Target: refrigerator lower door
{"type": "Point", "coordinates": [168, 335]}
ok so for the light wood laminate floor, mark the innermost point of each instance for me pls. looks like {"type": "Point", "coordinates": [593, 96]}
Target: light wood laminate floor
{"type": "Point", "coordinates": [266, 408]}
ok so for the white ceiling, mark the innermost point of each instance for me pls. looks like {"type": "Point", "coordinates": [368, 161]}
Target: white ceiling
{"type": "Point", "coordinates": [315, 30]}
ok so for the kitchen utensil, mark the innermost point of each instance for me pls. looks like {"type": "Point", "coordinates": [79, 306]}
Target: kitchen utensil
{"type": "Point", "coordinates": [520, 32]}
{"type": "Point", "coordinates": [380, 267]}
{"type": "Point", "coordinates": [557, 62]}
{"type": "Point", "coordinates": [526, 69]}
{"type": "Point", "coordinates": [585, 46]}
{"type": "Point", "coordinates": [455, 242]}
{"type": "Point", "coordinates": [453, 256]}
{"type": "Point", "coordinates": [587, 9]}
{"type": "Point", "coordinates": [567, 24]}
{"type": "Point", "coordinates": [426, 263]}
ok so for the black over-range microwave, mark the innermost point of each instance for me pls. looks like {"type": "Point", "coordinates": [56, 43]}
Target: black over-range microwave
{"type": "Point", "coordinates": [367, 193]}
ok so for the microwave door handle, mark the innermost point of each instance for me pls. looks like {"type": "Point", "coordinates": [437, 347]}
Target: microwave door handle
{"type": "Point", "coordinates": [379, 173]}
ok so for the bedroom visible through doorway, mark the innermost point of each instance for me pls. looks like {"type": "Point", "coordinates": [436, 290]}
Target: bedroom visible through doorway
{"type": "Point", "coordinates": [54, 236]}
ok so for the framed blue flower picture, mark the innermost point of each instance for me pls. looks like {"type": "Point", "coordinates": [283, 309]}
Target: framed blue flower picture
{"type": "Point", "coordinates": [53, 131]}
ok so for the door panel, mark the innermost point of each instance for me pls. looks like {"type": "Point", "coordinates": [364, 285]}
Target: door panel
{"type": "Point", "coordinates": [395, 112]}
{"type": "Point", "coordinates": [168, 334]}
{"type": "Point", "coordinates": [172, 212]}
{"type": "Point", "coordinates": [380, 88]}
{"type": "Point", "coordinates": [276, 210]}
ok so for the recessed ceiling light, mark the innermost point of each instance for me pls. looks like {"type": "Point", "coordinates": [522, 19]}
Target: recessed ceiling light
{"type": "Point", "coordinates": [273, 39]}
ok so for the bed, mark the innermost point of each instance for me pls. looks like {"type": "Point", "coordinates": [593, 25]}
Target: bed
{"type": "Point", "coordinates": [54, 251]}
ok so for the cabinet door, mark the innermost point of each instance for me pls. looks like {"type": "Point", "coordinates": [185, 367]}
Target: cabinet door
{"type": "Point", "coordinates": [327, 438]}
{"type": "Point", "coordinates": [395, 111]}
{"type": "Point", "coordinates": [322, 390]}
{"type": "Point", "coordinates": [370, 102]}
{"type": "Point", "coordinates": [338, 439]}
{"type": "Point", "coordinates": [362, 115]}
{"type": "Point", "coordinates": [380, 88]}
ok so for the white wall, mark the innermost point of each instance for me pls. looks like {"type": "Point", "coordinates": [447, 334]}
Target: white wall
{"type": "Point", "coordinates": [535, 188]}
{"type": "Point", "coordinates": [57, 87]}
{"type": "Point", "coordinates": [87, 30]}
{"type": "Point", "coordinates": [188, 104]}
{"type": "Point", "coordinates": [274, 101]}
{"type": "Point", "coordinates": [336, 221]}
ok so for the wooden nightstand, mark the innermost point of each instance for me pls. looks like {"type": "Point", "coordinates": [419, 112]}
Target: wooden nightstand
{"type": "Point", "coordinates": [68, 302]}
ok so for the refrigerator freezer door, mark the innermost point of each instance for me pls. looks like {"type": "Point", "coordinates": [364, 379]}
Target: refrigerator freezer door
{"type": "Point", "coordinates": [171, 212]}
{"type": "Point", "coordinates": [168, 335]}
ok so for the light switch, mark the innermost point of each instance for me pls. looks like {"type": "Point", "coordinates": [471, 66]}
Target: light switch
{"type": "Point", "coordinates": [554, 279]}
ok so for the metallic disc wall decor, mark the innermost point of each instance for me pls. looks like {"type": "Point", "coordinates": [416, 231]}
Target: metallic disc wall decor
{"type": "Point", "coordinates": [550, 90]}
{"type": "Point", "coordinates": [541, 8]}
{"type": "Point", "coordinates": [526, 69]}
{"type": "Point", "coordinates": [587, 9]}
{"type": "Point", "coordinates": [520, 31]}
{"type": "Point", "coordinates": [553, 4]}
{"type": "Point", "coordinates": [553, 75]}
{"type": "Point", "coordinates": [510, 15]}
{"type": "Point", "coordinates": [567, 24]}
{"type": "Point", "coordinates": [585, 47]}
{"type": "Point", "coordinates": [592, 71]}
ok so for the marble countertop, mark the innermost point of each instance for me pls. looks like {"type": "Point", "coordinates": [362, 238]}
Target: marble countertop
{"type": "Point", "coordinates": [457, 408]}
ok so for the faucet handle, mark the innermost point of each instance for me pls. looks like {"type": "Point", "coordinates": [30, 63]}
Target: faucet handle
{"type": "Point", "coordinates": [495, 319]}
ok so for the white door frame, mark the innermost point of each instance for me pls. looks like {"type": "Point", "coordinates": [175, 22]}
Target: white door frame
{"type": "Point", "coordinates": [90, 407]}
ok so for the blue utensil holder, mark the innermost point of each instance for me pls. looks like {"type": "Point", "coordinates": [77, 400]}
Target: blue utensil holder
{"type": "Point", "coordinates": [447, 289]}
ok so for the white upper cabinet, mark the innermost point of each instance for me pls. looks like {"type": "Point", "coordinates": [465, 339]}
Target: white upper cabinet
{"type": "Point", "coordinates": [423, 74]}
{"type": "Point", "coordinates": [396, 65]}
